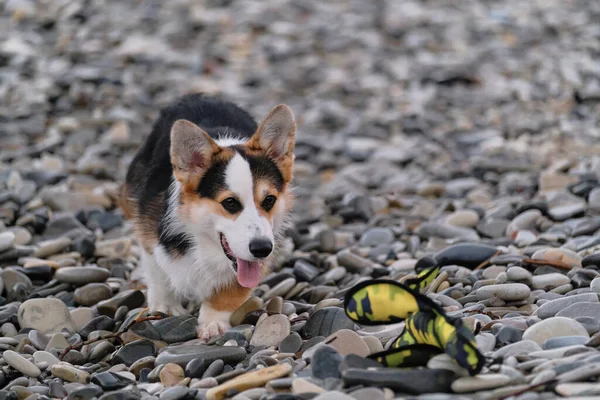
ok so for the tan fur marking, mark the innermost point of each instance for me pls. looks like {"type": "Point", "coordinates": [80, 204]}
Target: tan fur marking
{"type": "Point", "coordinates": [229, 298]}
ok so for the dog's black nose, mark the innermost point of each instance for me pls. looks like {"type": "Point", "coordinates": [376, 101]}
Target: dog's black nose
{"type": "Point", "coordinates": [261, 247]}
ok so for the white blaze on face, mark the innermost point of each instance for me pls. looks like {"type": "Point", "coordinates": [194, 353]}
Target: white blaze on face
{"type": "Point", "coordinates": [250, 223]}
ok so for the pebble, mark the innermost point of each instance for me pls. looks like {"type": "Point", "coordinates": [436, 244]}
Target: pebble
{"type": "Point", "coordinates": [553, 307]}
{"type": "Point", "coordinates": [171, 375]}
{"type": "Point", "coordinates": [271, 331]}
{"type": "Point", "coordinates": [69, 373]}
{"type": "Point", "coordinates": [548, 282]}
{"type": "Point", "coordinates": [508, 292]}
{"type": "Point", "coordinates": [326, 321]}
{"type": "Point", "coordinates": [7, 241]}
{"type": "Point", "coordinates": [249, 380]}
{"type": "Point", "coordinates": [183, 354]}
{"type": "Point", "coordinates": [554, 327]}
{"type": "Point", "coordinates": [21, 364]}
{"type": "Point", "coordinates": [480, 382]}
{"type": "Point", "coordinates": [45, 315]}
{"type": "Point", "coordinates": [92, 293]}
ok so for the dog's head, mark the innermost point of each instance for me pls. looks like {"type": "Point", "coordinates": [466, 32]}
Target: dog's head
{"type": "Point", "coordinates": [236, 195]}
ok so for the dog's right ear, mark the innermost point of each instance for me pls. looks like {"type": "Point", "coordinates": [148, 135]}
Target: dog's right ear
{"type": "Point", "coordinates": [191, 150]}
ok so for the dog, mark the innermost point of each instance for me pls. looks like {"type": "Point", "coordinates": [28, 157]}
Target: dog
{"type": "Point", "coordinates": [209, 195]}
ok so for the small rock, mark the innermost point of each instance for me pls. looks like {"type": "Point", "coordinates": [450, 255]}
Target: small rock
{"type": "Point", "coordinates": [271, 331]}
{"type": "Point", "coordinates": [480, 382]}
{"type": "Point", "coordinates": [21, 364]}
{"type": "Point", "coordinates": [508, 292]}
{"type": "Point", "coordinates": [554, 327]}
{"type": "Point", "coordinates": [69, 373]}
{"type": "Point", "coordinates": [171, 375]}
{"type": "Point", "coordinates": [47, 315]}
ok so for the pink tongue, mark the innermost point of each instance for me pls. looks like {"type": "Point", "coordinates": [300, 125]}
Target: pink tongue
{"type": "Point", "coordinates": [248, 273]}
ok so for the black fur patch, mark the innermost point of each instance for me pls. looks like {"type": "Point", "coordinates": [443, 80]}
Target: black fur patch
{"type": "Point", "coordinates": [213, 180]}
{"type": "Point", "coordinates": [262, 167]}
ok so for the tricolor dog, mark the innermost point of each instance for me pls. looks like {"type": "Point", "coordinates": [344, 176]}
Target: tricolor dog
{"type": "Point", "coordinates": [208, 193]}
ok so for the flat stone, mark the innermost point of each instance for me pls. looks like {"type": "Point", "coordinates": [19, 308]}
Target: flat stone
{"type": "Point", "coordinates": [522, 347]}
{"type": "Point", "coordinates": [548, 282]}
{"type": "Point", "coordinates": [51, 247]}
{"type": "Point", "coordinates": [582, 309]}
{"type": "Point", "coordinates": [171, 375]}
{"type": "Point", "coordinates": [326, 321]}
{"type": "Point", "coordinates": [92, 293]}
{"type": "Point", "coordinates": [551, 308]}
{"type": "Point", "coordinates": [561, 255]}
{"type": "Point", "coordinates": [301, 386]}
{"type": "Point", "coordinates": [57, 342]}
{"type": "Point", "coordinates": [12, 278]}
{"type": "Point", "coordinates": [109, 381]}
{"type": "Point", "coordinates": [571, 390]}
{"type": "Point", "coordinates": [174, 393]}
{"type": "Point", "coordinates": [373, 344]}
{"type": "Point", "coordinates": [195, 368]}
{"type": "Point", "coordinates": [114, 248]}
{"type": "Point", "coordinates": [47, 315]}
{"type": "Point", "coordinates": [81, 275]}
{"type": "Point", "coordinates": [7, 241]}
{"type": "Point", "coordinates": [507, 291]}
{"type": "Point", "coordinates": [21, 364]}
{"type": "Point", "coordinates": [249, 380]}
{"type": "Point", "coordinates": [271, 331]}
{"type": "Point", "coordinates": [81, 317]}
{"type": "Point", "coordinates": [176, 329]}
{"type": "Point", "coordinates": [401, 380]}
{"type": "Point", "coordinates": [252, 304]}
{"type": "Point", "coordinates": [129, 298]}
{"type": "Point", "coordinates": [346, 341]}
{"type": "Point", "coordinates": [44, 356]}
{"type": "Point", "coordinates": [376, 236]}
{"type": "Point", "coordinates": [69, 373]}
{"type": "Point", "coordinates": [558, 342]}
{"type": "Point", "coordinates": [480, 382]}
{"type": "Point", "coordinates": [438, 230]}
{"type": "Point", "coordinates": [133, 351]}
{"type": "Point", "coordinates": [182, 354]}
{"type": "Point", "coordinates": [291, 343]}
{"type": "Point", "coordinates": [554, 327]}
{"type": "Point", "coordinates": [325, 362]}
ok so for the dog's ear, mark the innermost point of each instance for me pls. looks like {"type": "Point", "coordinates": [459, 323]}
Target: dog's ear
{"type": "Point", "coordinates": [276, 133]}
{"type": "Point", "coordinates": [191, 150]}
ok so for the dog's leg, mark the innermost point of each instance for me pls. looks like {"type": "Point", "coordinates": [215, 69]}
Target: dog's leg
{"type": "Point", "coordinates": [160, 297]}
{"type": "Point", "coordinates": [216, 311]}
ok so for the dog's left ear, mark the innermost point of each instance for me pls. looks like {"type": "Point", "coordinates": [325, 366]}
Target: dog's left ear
{"type": "Point", "coordinates": [276, 133]}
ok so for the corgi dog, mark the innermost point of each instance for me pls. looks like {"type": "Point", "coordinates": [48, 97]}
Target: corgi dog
{"type": "Point", "coordinates": [208, 194]}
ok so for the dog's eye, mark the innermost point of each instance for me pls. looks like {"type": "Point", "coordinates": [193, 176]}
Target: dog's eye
{"type": "Point", "coordinates": [269, 202]}
{"type": "Point", "coordinates": [232, 205]}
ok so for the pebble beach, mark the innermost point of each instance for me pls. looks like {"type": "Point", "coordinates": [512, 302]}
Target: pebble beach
{"type": "Point", "coordinates": [465, 132]}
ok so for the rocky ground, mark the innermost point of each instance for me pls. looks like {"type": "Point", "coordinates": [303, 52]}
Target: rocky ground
{"type": "Point", "coordinates": [422, 124]}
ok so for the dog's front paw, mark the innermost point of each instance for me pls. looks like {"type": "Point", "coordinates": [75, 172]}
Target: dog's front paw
{"type": "Point", "coordinates": [172, 309]}
{"type": "Point", "coordinates": [210, 330]}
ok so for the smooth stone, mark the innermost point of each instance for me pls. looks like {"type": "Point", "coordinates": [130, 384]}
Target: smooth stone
{"type": "Point", "coordinates": [463, 218]}
{"type": "Point", "coordinates": [81, 275]}
{"type": "Point", "coordinates": [401, 380]}
{"type": "Point", "coordinates": [305, 271]}
{"type": "Point", "coordinates": [110, 381]}
{"type": "Point", "coordinates": [85, 392]}
{"type": "Point", "coordinates": [301, 386]}
{"type": "Point", "coordinates": [552, 307]}
{"type": "Point", "coordinates": [81, 317]}
{"type": "Point", "coordinates": [326, 321]}
{"type": "Point", "coordinates": [480, 382]}
{"type": "Point", "coordinates": [583, 309]}
{"type": "Point", "coordinates": [249, 380]}
{"type": "Point", "coordinates": [51, 247]}
{"type": "Point", "coordinates": [592, 259]}
{"type": "Point", "coordinates": [129, 298]}
{"type": "Point", "coordinates": [595, 285]}
{"type": "Point", "coordinates": [92, 293]}
{"type": "Point", "coordinates": [38, 339]}
{"type": "Point", "coordinates": [182, 354]}
{"type": "Point", "coordinates": [373, 344]}
{"type": "Point", "coordinates": [57, 342]}
{"type": "Point", "coordinates": [133, 351]}
{"type": "Point", "coordinates": [69, 373]}
{"type": "Point", "coordinates": [252, 304]}
{"type": "Point", "coordinates": [508, 334]}
{"type": "Point", "coordinates": [445, 362]}
{"type": "Point", "coordinates": [592, 325]}
{"type": "Point", "coordinates": [174, 393]}
{"type": "Point", "coordinates": [21, 364]}
{"type": "Point", "coordinates": [241, 332]}
{"type": "Point", "coordinates": [291, 344]}
{"type": "Point", "coordinates": [12, 278]}
{"type": "Point", "coordinates": [485, 342]}
{"type": "Point", "coordinates": [549, 281]}
{"type": "Point", "coordinates": [176, 329]}
{"type": "Point", "coordinates": [561, 255]}
{"type": "Point", "coordinates": [280, 289]}
{"type": "Point", "coordinates": [507, 291]}
{"type": "Point", "coordinates": [48, 315]}
{"type": "Point", "coordinates": [522, 347]}
{"type": "Point", "coordinates": [376, 236]}
{"type": "Point", "coordinates": [554, 327]}
{"type": "Point", "coordinates": [518, 274]}
{"type": "Point", "coordinates": [325, 362]}
{"type": "Point", "coordinates": [563, 341]}
{"type": "Point", "coordinates": [171, 375]}
{"type": "Point", "coordinates": [468, 255]}
{"type": "Point", "coordinates": [526, 220]}
{"type": "Point", "coordinates": [195, 368]}
{"type": "Point", "coordinates": [428, 230]}
{"type": "Point", "coordinates": [346, 341]}
{"type": "Point", "coordinates": [44, 356]}
{"type": "Point", "coordinates": [271, 331]}
{"type": "Point", "coordinates": [585, 390]}
{"type": "Point", "coordinates": [7, 241]}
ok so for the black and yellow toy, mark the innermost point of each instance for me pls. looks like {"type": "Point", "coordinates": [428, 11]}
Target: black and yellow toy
{"type": "Point", "coordinates": [429, 331]}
